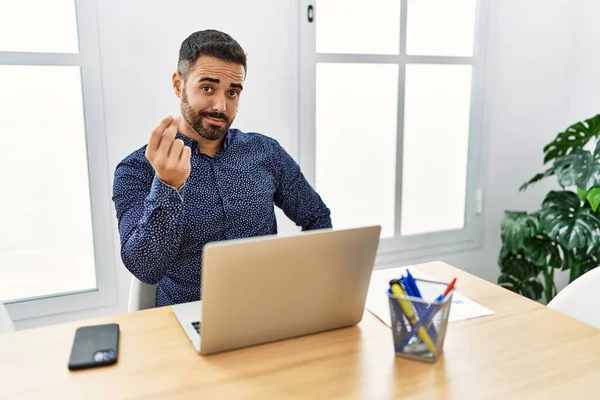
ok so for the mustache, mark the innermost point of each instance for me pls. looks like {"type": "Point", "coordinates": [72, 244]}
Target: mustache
{"type": "Point", "coordinates": [214, 114]}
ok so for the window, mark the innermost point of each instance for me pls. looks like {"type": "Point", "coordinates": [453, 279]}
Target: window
{"type": "Point", "coordinates": [56, 252]}
{"type": "Point", "coordinates": [390, 118]}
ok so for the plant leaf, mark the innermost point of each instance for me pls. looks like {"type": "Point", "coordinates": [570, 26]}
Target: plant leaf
{"type": "Point", "coordinates": [587, 264]}
{"type": "Point", "coordinates": [564, 219]}
{"type": "Point", "coordinates": [593, 197]}
{"type": "Point", "coordinates": [542, 251]}
{"type": "Point", "coordinates": [537, 178]}
{"type": "Point", "coordinates": [516, 227]}
{"type": "Point", "coordinates": [504, 254]}
{"type": "Point", "coordinates": [568, 259]}
{"type": "Point", "coordinates": [580, 168]}
{"type": "Point", "coordinates": [582, 194]}
{"type": "Point", "coordinates": [575, 137]}
{"type": "Point", "coordinates": [520, 276]}
{"type": "Point", "coordinates": [579, 262]}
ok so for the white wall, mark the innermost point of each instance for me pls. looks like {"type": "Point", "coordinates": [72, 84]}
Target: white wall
{"type": "Point", "coordinates": [585, 82]}
{"type": "Point", "coordinates": [530, 79]}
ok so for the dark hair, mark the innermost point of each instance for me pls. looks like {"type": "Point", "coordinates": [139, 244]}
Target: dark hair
{"type": "Point", "coordinates": [212, 43]}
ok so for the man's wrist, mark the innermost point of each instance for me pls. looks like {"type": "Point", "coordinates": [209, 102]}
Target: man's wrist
{"type": "Point", "coordinates": [177, 188]}
{"type": "Point", "coordinates": [166, 195]}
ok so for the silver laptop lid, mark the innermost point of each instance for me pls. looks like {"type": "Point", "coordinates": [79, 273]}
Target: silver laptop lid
{"type": "Point", "coordinates": [270, 288]}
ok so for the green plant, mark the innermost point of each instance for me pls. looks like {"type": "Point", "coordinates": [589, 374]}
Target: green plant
{"type": "Point", "coordinates": [564, 234]}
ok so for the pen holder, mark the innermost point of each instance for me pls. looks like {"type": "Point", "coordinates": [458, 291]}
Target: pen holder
{"type": "Point", "coordinates": [419, 325]}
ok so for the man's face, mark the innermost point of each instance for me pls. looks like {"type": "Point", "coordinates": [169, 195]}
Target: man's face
{"type": "Point", "coordinates": [210, 96]}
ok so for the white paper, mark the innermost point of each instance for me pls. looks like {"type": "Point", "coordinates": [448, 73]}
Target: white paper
{"type": "Point", "coordinates": [378, 303]}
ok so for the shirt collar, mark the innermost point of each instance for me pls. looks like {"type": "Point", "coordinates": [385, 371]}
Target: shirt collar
{"type": "Point", "coordinates": [228, 139]}
{"type": "Point", "coordinates": [188, 142]}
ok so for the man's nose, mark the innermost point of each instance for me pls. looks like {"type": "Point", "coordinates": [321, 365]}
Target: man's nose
{"type": "Point", "coordinates": [220, 103]}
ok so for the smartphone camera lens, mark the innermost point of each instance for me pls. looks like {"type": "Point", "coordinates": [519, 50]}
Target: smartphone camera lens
{"type": "Point", "coordinates": [109, 355]}
{"type": "Point", "coordinates": [99, 356]}
{"type": "Point", "coordinates": [104, 355]}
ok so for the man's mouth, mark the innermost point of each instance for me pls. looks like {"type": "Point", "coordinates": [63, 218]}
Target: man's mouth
{"type": "Point", "coordinates": [216, 121]}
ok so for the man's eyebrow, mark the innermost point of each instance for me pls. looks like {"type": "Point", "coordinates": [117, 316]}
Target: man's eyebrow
{"type": "Point", "coordinates": [237, 85]}
{"type": "Point", "coordinates": [209, 79]}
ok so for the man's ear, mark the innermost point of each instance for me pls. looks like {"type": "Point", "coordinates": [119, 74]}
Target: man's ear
{"type": "Point", "coordinates": [178, 84]}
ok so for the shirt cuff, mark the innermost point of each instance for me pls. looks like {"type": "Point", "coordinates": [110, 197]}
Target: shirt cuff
{"type": "Point", "coordinates": [165, 196]}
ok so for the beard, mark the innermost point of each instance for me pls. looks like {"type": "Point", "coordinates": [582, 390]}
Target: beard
{"type": "Point", "coordinates": [197, 120]}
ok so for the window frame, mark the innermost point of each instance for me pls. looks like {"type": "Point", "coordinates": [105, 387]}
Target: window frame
{"type": "Point", "coordinates": [88, 59]}
{"type": "Point", "coordinates": [403, 248]}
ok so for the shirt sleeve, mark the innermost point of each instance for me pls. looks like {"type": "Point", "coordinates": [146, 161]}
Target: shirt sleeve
{"type": "Point", "coordinates": [150, 220]}
{"type": "Point", "coordinates": [294, 195]}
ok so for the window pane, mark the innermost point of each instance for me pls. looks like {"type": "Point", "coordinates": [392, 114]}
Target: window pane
{"type": "Point", "coordinates": [436, 139]}
{"type": "Point", "coordinates": [46, 244]}
{"type": "Point", "coordinates": [358, 27]}
{"type": "Point", "coordinates": [440, 27]}
{"type": "Point", "coordinates": [38, 26]}
{"type": "Point", "coordinates": [356, 143]}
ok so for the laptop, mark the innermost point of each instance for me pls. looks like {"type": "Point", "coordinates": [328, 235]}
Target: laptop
{"type": "Point", "coordinates": [265, 289]}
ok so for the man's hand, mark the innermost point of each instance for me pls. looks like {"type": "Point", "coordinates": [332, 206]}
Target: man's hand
{"type": "Point", "coordinates": [170, 157]}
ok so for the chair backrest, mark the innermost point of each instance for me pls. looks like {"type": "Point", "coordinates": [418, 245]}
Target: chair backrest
{"type": "Point", "coordinates": [6, 322]}
{"type": "Point", "coordinates": [579, 299]}
{"type": "Point", "coordinates": [141, 295]}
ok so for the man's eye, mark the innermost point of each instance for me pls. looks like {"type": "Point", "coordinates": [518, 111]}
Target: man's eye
{"type": "Point", "coordinates": [207, 89]}
{"type": "Point", "coordinates": [233, 93]}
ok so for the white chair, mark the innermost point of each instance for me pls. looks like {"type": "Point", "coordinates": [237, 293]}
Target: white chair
{"type": "Point", "coordinates": [579, 299]}
{"type": "Point", "coordinates": [6, 322]}
{"type": "Point", "coordinates": [141, 295]}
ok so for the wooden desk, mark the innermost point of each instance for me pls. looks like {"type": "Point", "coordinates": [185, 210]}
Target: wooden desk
{"type": "Point", "coordinates": [523, 351]}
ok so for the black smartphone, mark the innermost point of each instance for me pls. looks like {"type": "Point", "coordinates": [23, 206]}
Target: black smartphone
{"type": "Point", "coordinates": [95, 346]}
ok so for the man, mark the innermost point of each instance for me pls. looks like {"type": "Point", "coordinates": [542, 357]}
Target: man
{"type": "Point", "coordinates": [199, 181]}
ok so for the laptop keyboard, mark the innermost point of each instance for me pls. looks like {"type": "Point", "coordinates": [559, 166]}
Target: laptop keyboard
{"type": "Point", "coordinates": [196, 326]}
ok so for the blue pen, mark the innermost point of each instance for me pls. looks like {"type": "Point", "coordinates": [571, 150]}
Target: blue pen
{"type": "Point", "coordinates": [421, 309]}
{"type": "Point", "coordinates": [413, 283]}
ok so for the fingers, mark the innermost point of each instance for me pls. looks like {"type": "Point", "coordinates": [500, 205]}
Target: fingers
{"type": "Point", "coordinates": [168, 137]}
{"type": "Point", "coordinates": [175, 152]}
{"type": "Point", "coordinates": [186, 155]}
{"type": "Point", "coordinates": [168, 155]}
{"type": "Point", "coordinates": [157, 133]}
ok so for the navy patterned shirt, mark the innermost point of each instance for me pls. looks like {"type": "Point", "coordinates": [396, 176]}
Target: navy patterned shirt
{"type": "Point", "coordinates": [229, 196]}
